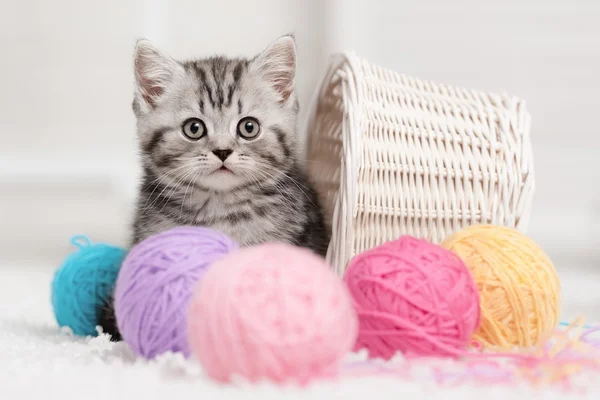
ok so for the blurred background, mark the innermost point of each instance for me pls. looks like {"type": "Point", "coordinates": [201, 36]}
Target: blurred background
{"type": "Point", "coordinates": [68, 162]}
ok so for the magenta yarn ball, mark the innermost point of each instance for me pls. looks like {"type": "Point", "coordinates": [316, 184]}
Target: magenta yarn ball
{"type": "Point", "coordinates": [414, 297]}
{"type": "Point", "coordinates": [271, 312]}
{"type": "Point", "coordinates": [155, 285]}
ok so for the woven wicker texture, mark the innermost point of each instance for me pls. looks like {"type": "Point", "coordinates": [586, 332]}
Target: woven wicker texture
{"type": "Point", "coordinates": [391, 155]}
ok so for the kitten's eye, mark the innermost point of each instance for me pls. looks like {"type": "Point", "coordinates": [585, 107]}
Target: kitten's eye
{"type": "Point", "coordinates": [248, 128]}
{"type": "Point", "coordinates": [194, 129]}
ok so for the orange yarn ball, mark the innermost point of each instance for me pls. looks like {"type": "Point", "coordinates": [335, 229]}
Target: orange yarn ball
{"type": "Point", "coordinates": [518, 285]}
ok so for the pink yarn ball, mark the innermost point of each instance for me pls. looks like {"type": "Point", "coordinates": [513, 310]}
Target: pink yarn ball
{"type": "Point", "coordinates": [271, 312]}
{"type": "Point", "coordinates": [413, 296]}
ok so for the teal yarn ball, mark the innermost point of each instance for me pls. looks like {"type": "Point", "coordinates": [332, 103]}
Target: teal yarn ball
{"type": "Point", "coordinates": [84, 283]}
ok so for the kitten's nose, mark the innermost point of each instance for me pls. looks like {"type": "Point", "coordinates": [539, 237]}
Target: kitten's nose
{"type": "Point", "coordinates": [222, 154]}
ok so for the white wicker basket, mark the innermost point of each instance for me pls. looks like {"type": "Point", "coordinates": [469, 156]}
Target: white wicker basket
{"type": "Point", "coordinates": [391, 155]}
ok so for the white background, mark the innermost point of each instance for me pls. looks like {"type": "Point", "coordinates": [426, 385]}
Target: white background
{"type": "Point", "coordinates": [67, 152]}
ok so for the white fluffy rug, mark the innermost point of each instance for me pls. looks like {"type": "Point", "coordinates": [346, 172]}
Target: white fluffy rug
{"type": "Point", "coordinates": [38, 361]}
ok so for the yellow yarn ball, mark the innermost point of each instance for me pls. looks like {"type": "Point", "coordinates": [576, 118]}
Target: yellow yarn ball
{"type": "Point", "coordinates": [517, 282]}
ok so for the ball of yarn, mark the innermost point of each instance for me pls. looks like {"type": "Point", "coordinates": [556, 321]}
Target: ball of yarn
{"type": "Point", "coordinates": [156, 283]}
{"type": "Point", "coordinates": [412, 296]}
{"type": "Point", "coordinates": [518, 285]}
{"type": "Point", "coordinates": [82, 285]}
{"type": "Point", "coordinates": [271, 312]}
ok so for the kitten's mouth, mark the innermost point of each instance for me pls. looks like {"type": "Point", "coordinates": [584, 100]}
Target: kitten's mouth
{"type": "Point", "coordinates": [223, 169]}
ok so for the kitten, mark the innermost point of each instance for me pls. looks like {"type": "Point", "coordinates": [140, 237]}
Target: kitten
{"type": "Point", "coordinates": [218, 143]}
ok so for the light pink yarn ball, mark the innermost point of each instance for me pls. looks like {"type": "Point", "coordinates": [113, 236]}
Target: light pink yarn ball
{"type": "Point", "coordinates": [271, 312]}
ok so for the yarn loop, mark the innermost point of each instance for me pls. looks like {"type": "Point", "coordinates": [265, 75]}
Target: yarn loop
{"type": "Point", "coordinates": [81, 241]}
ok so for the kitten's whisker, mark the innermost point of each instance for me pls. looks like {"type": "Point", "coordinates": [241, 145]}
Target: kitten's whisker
{"type": "Point", "coordinates": [176, 187]}
{"type": "Point", "coordinates": [295, 182]}
{"type": "Point", "coordinates": [252, 178]}
{"type": "Point", "coordinates": [187, 188]}
{"type": "Point", "coordinates": [170, 172]}
{"type": "Point", "coordinates": [160, 179]}
{"type": "Point", "coordinates": [279, 189]}
{"type": "Point", "coordinates": [301, 188]}
{"type": "Point", "coordinates": [176, 179]}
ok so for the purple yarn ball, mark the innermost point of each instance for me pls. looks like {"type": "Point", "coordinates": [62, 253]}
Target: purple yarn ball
{"type": "Point", "coordinates": [156, 283]}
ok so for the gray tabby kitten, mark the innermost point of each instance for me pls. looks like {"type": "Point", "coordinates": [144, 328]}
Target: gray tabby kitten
{"type": "Point", "coordinates": [218, 143]}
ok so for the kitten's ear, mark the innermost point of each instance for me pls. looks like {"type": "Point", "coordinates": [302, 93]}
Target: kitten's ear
{"type": "Point", "coordinates": [154, 70]}
{"type": "Point", "coordinates": [277, 65]}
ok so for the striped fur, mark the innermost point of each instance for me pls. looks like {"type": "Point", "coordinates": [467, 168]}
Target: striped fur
{"type": "Point", "coordinates": [265, 195]}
